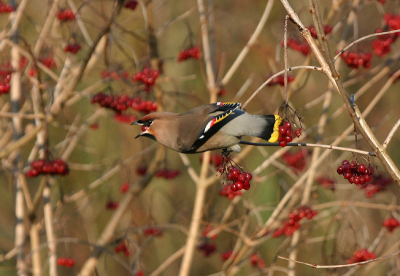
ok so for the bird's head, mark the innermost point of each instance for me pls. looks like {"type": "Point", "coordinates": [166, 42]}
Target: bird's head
{"type": "Point", "coordinates": [157, 126]}
{"type": "Point", "coordinates": [149, 126]}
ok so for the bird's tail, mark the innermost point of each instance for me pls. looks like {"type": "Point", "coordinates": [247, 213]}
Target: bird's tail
{"type": "Point", "coordinates": [268, 127]}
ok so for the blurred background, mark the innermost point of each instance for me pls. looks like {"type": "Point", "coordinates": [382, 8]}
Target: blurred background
{"type": "Point", "coordinates": [73, 59]}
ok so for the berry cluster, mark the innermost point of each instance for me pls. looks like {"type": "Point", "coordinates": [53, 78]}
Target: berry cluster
{"type": "Point", "coordinates": [5, 8]}
{"type": "Point", "coordinates": [49, 62]}
{"type": "Point", "coordinates": [42, 166]}
{"type": "Point", "coordinates": [215, 159]}
{"type": "Point", "coordinates": [327, 30]}
{"type": "Point", "coordinates": [391, 224]}
{"type": "Point", "coordinates": [192, 52]}
{"type": "Point", "coordinates": [124, 187]}
{"type": "Point", "coordinates": [285, 134]}
{"type": "Point", "coordinates": [239, 179]}
{"type": "Point", "coordinates": [94, 126]}
{"type": "Point", "coordinates": [354, 173]}
{"type": "Point", "coordinates": [256, 260]}
{"type": "Point", "coordinates": [141, 170]}
{"type": "Point", "coordinates": [67, 262]}
{"type": "Point", "coordinates": [72, 48]}
{"type": "Point", "coordinates": [298, 46]}
{"type": "Point", "coordinates": [361, 256]}
{"type": "Point", "coordinates": [326, 182]}
{"type": "Point", "coordinates": [152, 231]}
{"type": "Point", "coordinates": [226, 255]}
{"type": "Point", "coordinates": [122, 248]}
{"type": "Point", "coordinates": [147, 77]}
{"type": "Point", "coordinates": [207, 248]}
{"type": "Point", "coordinates": [5, 77]}
{"type": "Point", "coordinates": [296, 160]}
{"type": "Point", "coordinates": [111, 205]}
{"type": "Point", "coordinates": [381, 46]}
{"type": "Point", "coordinates": [66, 15]}
{"type": "Point", "coordinates": [227, 191]}
{"type": "Point", "coordinates": [207, 229]}
{"type": "Point", "coordinates": [279, 80]}
{"type": "Point", "coordinates": [357, 59]}
{"type": "Point", "coordinates": [121, 103]}
{"type": "Point", "coordinates": [380, 183]}
{"type": "Point", "coordinates": [130, 4]}
{"type": "Point", "coordinates": [114, 75]}
{"type": "Point", "coordinates": [221, 92]}
{"type": "Point", "coordinates": [393, 22]}
{"type": "Point", "coordinates": [293, 223]}
{"type": "Point", "coordinates": [167, 173]}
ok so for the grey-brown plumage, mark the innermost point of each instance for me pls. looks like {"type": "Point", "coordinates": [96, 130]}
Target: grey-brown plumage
{"type": "Point", "coordinates": [208, 127]}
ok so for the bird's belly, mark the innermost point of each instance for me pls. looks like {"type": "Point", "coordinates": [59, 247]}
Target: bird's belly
{"type": "Point", "coordinates": [219, 141]}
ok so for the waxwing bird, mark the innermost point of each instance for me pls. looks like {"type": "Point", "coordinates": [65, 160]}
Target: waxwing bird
{"type": "Point", "coordinates": [208, 127]}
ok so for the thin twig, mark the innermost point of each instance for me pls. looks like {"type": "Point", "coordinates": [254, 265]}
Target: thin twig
{"type": "Point", "coordinates": [344, 265]}
{"type": "Point", "coordinates": [310, 145]}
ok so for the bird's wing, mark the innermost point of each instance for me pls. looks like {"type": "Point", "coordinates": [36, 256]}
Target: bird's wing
{"type": "Point", "coordinates": [219, 115]}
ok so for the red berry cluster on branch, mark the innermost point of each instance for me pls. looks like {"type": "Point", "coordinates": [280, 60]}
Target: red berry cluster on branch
{"type": "Point", "coordinates": [121, 103]}
{"type": "Point", "coordinates": [49, 62]}
{"type": "Point", "coordinates": [355, 173]}
{"type": "Point", "coordinates": [226, 255]}
{"type": "Point", "coordinates": [238, 178]}
{"type": "Point", "coordinates": [255, 260]}
{"type": "Point", "coordinates": [124, 187]}
{"type": "Point", "coordinates": [147, 77]}
{"type": "Point", "coordinates": [141, 170]}
{"type": "Point", "coordinates": [72, 48]}
{"type": "Point", "coordinates": [327, 30]}
{"type": "Point", "coordinates": [390, 224]}
{"type": "Point", "coordinates": [122, 248]}
{"type": "Point", "coordinates": [152, 231]}
{"type": "Point", "coordinates": [279, 80]}
{"type": "Point", "coordinates": [393, 22]}
{"type": "Point", "coordinates": [112, 205]}
{"type": "Point", "coordinates": [67, 262]}
{"type": "Point", "coordinates": [357, 59]}
{"type": "Point", "coordinates": [381, 46]}
{"type": "Point", "coordinates": [207, 229]}
{"type": "Point", "coordinates": [42, 166]}
{"type": "Point", "coordinates": [299, 46]}
{"type": "Point", "coordinates": [192, 52]}
{"type": "Point", "coordinates": [130, 4]}
{"type": "Point", "coordinates": [227, 191]}
{"type": "Point", "coordinates": [5, 77]}
{"type": "Point", "coordinates": [361, 256]}
{"type": "Point", "coordinates": [114, 75]}
{"type": "Point", "coordinates": [379, 184]}
{"type": "Point", "coordinates": [296, 160]}
{"type": "Point", "coordinates": [293, 223]}
{"type": "Point", "coordinates": [5, 8]}
{"type": "Point", "coordinates": [207, 248]}
{"type": "Point", "coordinates": [285, 134]}
{"type": "Point", "coordinates": [326, 182]}
{"type": "Point", "coordinates": [167, 173]}
{"type": "Point", "coordinates": [65, 15]}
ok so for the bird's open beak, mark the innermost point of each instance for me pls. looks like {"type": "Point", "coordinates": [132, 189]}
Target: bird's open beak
{"type": "Point", "coordinates": [137, 123]}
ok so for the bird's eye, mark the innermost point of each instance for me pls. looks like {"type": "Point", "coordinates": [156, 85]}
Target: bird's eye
{"type": "Point", "coordinates": [148, 122]}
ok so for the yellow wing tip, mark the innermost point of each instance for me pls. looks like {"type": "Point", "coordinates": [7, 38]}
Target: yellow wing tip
{"type": "Point", "coordinates": [275, 133]}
